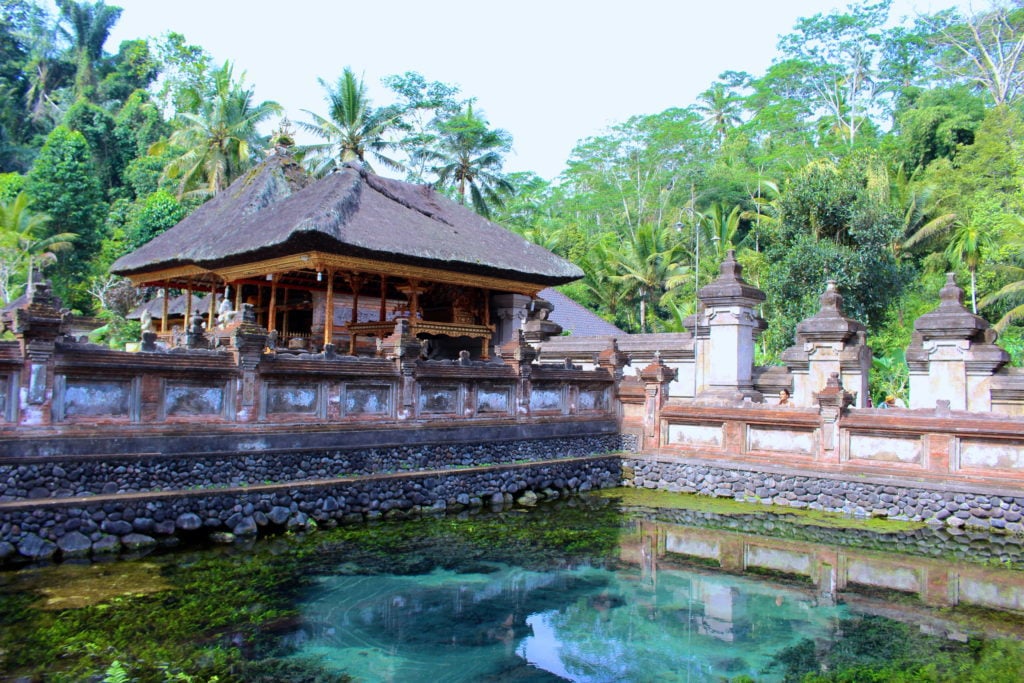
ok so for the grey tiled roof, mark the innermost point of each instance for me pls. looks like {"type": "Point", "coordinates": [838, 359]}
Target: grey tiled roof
{"type": "Point", "coordinates": [576, 318]}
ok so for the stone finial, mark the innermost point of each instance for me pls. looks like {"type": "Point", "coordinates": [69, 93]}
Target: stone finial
{"type": "Point", "coordinates": [829, 324]}
{"type": "Point", "coordinates": [951, 296]}
{"type": "Point", "coordinates": [730, 288]}
{"type": "Point", "coordinates": [833, 395]}
{"type": "Point", "coordinates": [517, 350]}
{"type": "Point", "coordinates": [657, 371]}
{"type": "Point", "coordinates": [951, 320]}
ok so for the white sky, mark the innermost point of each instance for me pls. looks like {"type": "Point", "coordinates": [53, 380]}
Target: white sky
{"type": "Point", "coordinates": [550, 72]}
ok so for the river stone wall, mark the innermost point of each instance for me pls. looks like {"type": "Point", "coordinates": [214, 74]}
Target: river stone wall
{"type": "Point", "coordinates": [92, 525]}
{"type": "Point", "coordinates": [920, 501]}
{"type": "Point", "coordinates": [71, 476]}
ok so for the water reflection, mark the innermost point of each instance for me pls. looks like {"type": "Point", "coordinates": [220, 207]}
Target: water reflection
{"type": "Point", "coordinates": [576, 592]}
{"type": "Point", "coordinates": [679, 604]}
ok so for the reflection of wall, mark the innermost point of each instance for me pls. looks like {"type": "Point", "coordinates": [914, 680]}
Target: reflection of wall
{"type": "Point", "coordinates": [856, 575]}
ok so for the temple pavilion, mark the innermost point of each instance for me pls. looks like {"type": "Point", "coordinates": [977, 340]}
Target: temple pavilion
{"type": "Point", "coordinates": [337, 260]}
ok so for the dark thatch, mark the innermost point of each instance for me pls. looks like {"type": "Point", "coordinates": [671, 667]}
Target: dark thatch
{"type": "Point", "coordinates": [276, 210]}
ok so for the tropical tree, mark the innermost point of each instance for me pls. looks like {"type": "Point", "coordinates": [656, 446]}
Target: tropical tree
{"type": "Point", "coordinates": [970, 240]}
{"type": "Point", "coordinates": [63, 184]}
{"type": "Point", "coordinates": [86, 26]}
{"type": "Point", "coordinates": [984, 49]}
{"type": "Point", "coordinates": [474, 155]}
{"type": "Point", "coordinates": [649, 264]}
{"type": "Point", "coordinates": [839, 54]}
{"type": "Point", "coordinates": [24, 246]}
{"type": "Point", "coordinates": [423, 106]}
{"type": "Point", "coordinates": [353, 128]}
{"type": "Point", "coordinates": [221, 141]}
{"type": "Point", "coordinates": [721, 109]}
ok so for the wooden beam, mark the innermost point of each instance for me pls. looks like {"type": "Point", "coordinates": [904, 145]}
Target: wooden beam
{"type": "Point", "coordinates": [329, 309]}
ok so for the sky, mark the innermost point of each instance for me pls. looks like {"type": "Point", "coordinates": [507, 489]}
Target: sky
{"type": "Point", "coordinates": [551, 72]}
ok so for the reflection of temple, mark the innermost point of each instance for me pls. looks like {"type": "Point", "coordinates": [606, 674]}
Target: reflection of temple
{"type": "Point", "coordinates": [820, 575]}
{"type": "Point", "coordinates": [338, 260]}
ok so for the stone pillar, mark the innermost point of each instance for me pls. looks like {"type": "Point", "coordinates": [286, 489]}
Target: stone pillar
{"type": "Point", "coordinates": [832, 401]}
{"type": "Point", "coordinates": [656, 378]}
{"type": "Point", "coordinates": [520, 355]}
{"type": "Point", "coordinates": [701, 353]}
{"type": "Point", "coordinates": [952, 356]}
{"type": "Point", "coordinates": [613, 361]}
{"type": "Point", "coordinates": [404, 348]}
{"type": "Point", "coordinates": [37, 327]}
{"type": "Point", "coordinates": [828, 343]}
{"type": "Point", "coordinates": [538, 329]}
{"type": "Point", "coordinates": [729, 313]}
{"type": "Point", "coordinates": [509, 313]}
{"type": "Point", "coordinates": [249, 342]}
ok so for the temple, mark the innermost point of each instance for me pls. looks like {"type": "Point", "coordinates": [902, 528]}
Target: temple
{"type": "Point", "coordinates": [335, 261]}
{"type": "Point", "coordinates": [370, 348]}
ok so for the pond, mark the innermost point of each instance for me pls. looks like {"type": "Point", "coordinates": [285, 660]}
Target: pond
{"type": "Point", "coordinates": [613, 586]}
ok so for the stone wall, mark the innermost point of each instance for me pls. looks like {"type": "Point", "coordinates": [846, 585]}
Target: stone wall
{"type": "Point", "coordinates": [112, 522]}
{"type": "Point", "coordinates": [953, 506]}
{"type": "Point", "coordinates": [47, 477]}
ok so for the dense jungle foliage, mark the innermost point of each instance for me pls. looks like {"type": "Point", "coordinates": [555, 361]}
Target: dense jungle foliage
{"type": "Point", "coordinates": [875, 153]}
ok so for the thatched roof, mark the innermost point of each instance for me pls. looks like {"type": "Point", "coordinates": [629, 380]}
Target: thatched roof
{"type": "Point", "coordinates": [276, 210]}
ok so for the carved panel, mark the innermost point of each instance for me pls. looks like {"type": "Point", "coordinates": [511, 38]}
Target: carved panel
{"type": "Point", "coordinates": [85, 398]}
{"type": "Point", "coordinates": [303, 399]}
{"type": "Point", "coordinates": [547, 398]}
{"type": "Point", "coordinates": [990, 455]}
{"type": "Point", "coordinates": [494, 400]}
{"type": "Point", "coordinates": [885, 449]}
{"type": "Point", "coordinates": [186, 399]}
{"type": "Point", "coordinates": [367, 400]}
{"type": "Point", "coordinates": [800, 441]}
{"type": "Point", "coordinates": [439, 399]}
{"type": "Point", "coordinates": [593, 400]}
{"type": "Point", "coordinates": [696, 435]}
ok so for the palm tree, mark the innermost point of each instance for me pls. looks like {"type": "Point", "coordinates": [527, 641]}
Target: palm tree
{"type": "Point", "coordinates": [475, 158]}
{"type": "Point", "coordinates": [221, 141]}
{"type": "Point", "coordinates": [649, 267]}
{"type": "Point", "coordinates": [1012, 292]}
{"type": "Point", "coordinates": [969, 242]}
{"type": "Point", "coordinates": [922, 219]}
{"type": "Point", "coordinates": [353, 128]}
{"type": "Point", "coordinates": [89, 28]}
{"type": "Point", "coordinates": [722, 229]}
{"type": "Point", "coordinates": [720, 109]}
{"type": "Point", "coordinates": [22, 245]}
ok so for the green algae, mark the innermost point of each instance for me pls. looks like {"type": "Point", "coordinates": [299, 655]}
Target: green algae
{"type": "Point", "coordinates": [653, 498]}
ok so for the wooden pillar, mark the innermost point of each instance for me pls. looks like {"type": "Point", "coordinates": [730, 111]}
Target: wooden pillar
{"type": "Point", "coordinates": [355, 281]}
{"type": "Point", "coordinates": [238, 299]}
{"type": "Point", "coordinates": [414, 298]}
{"type": "Point", "coordinates": [211, 310]}
{"type": "Point", "coordinates": [382, 316]}
{"type": "Point", "coordinates": [272, 307]}
{"type": "Point", "coordinates": [163, 315]}
{"type": "Point", "coordinates": [329, 309]}
{"type": "Point", "coordinates": [188, 304]}
{"type": "Point", "coordinates": [284, 313]}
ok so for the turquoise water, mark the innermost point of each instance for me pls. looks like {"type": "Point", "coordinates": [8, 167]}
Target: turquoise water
{"type": "Point", "coordinates": [579, 623]}
{"type": "Point", "coordinates": [592, 590]}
